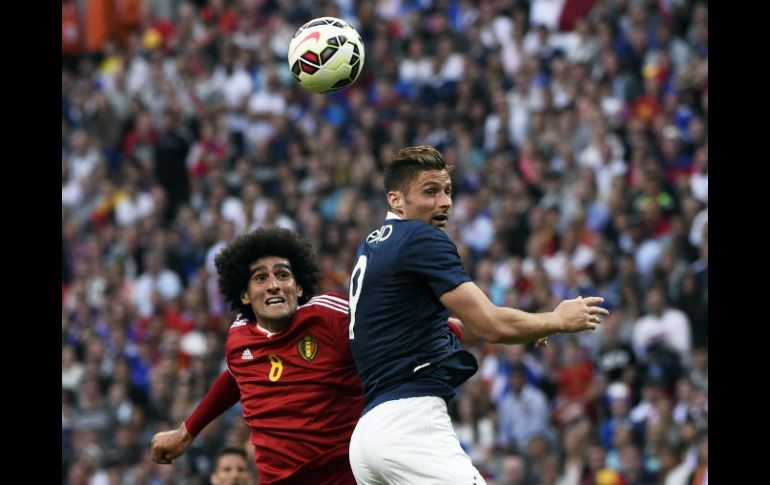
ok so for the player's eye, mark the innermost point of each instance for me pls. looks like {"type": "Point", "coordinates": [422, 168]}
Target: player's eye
{"type": "Point", "coordinates": [260, 278]}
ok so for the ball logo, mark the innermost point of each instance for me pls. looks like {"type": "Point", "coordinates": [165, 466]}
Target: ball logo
{"type": "Point", "coordinates": [311, 35]}
{"type": "Point", "coordinates": [380, 234]}
{"type": "Point", "coordinates": [307, 347]}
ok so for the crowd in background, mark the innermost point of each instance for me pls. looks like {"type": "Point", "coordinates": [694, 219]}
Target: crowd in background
{"type": "Point", "coordinates": [578, 130]}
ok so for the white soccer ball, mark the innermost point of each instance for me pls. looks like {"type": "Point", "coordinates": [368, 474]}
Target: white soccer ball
{"type": "Point", "coordinates": [326, 55]}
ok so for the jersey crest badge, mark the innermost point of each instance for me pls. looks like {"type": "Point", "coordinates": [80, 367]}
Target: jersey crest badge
{"type": "Point", "coordinates": [307, 347]}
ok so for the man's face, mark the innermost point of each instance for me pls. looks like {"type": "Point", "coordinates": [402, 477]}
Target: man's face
{"type": "Point", "coordinates": [656, 302]}
{"type": "Point", "coordinates": [428, 199]}
{"type": "Point", "coordinates": [516, 380]}
{"type": "Point", "coordinates": [272, 292]}
{"type": "Point", "coordinates": [231, 470]}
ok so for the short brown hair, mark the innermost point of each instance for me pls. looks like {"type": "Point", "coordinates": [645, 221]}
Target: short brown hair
{"type": "Point", "coordinates": [408, 162]}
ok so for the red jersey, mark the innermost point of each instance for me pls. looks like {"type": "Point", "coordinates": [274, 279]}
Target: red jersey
{"type": "Point", "coordinates": [300, 393]}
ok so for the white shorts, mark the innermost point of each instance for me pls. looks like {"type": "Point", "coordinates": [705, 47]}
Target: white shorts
{"type": "Point", "coordinates": [410, 441]}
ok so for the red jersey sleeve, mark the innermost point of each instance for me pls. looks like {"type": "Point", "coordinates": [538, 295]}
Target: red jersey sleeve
{"type": "Point", "coordinates": [221, 397]}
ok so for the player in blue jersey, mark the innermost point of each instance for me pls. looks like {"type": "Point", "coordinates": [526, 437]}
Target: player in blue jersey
{"type": "Point", "coordinates": [406, 279]}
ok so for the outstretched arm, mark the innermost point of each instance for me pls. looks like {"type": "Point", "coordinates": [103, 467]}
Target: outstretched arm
{"type": "Point", "coordinates": [511, 326]}
{"type": "Point", "coordinates": [169, 444]}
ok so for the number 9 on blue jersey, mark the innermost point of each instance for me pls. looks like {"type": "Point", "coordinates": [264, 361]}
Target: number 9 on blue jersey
{"type": "Point", "coordinates": [356, 282]}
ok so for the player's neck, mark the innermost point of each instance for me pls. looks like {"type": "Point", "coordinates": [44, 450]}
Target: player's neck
{"type": "Point", "coordinates": [273, 326]}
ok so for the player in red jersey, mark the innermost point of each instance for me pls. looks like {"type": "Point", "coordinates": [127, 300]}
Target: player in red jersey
{"type": "Point", "coordinates": [289, 364]}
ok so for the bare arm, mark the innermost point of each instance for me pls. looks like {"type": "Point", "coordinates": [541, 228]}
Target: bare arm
{"type": "Point", "coordinates": [511, 326]}
{"type": "Point", "coordinates": [222, 395]}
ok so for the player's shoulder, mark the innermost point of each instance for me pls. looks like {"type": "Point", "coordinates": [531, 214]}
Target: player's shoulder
{"type": "Point", "coordinates": [240, 322]}
{"type": "Point", "coordinates": [334, 302]}
{"type": "Point", "coordinates": [413, 229]}
{"type": "Point", "coordinates": [423, 235]}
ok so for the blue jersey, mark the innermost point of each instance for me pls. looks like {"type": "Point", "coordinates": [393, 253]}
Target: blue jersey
{"type": "Point", "coordinates": [399, 337]}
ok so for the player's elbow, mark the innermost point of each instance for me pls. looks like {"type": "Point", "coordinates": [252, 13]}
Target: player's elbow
{"type": "Point", "coordinates": [490, 326]}
{"type": "Point", "coordinates": [503, 334]}
{"type": "Point", "coordinates": [502, 331]}
{"type": "Point", "coordinates": [496, 337]}
{"type": "Point", "coordinates": [489, 334]}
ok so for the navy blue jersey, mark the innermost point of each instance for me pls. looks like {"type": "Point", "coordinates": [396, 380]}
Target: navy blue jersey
{"type": "Point", "coordinates": [399, 337]}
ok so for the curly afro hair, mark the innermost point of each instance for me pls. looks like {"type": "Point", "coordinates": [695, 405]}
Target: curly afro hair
{"type": "Point", "coordinates": [233, 262]}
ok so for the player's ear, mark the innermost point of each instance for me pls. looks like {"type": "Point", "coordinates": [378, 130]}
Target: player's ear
{"type": "Point", "coordinates": [396, 201]}
{"type": "Point", "coordinates": [299, 291]}
{"type": "Point", "coordinates": [245, 298]}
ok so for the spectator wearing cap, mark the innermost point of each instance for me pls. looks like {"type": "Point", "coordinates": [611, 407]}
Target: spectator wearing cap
{"type": "Point", "coordinates": [618, 398]}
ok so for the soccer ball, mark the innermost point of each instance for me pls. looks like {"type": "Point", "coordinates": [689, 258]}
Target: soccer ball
{"type": "Point", "coordinates": [326, 54]}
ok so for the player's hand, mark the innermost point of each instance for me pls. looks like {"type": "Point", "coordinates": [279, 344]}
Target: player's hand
{"type": "Point", "coordinates": [169, 444]}
{"type": "Point", "coordinates": [580, 313]}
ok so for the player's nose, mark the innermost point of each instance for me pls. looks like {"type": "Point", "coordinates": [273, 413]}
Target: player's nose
{"type": "Point", "coordinates": [272, 283]}
{"type": "Point", "coordinates": [445, 200]}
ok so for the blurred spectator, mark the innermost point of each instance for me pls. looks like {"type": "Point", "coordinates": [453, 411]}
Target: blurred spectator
{"type": "Point", "coordinates": [662, 325]}
{"type": "Point", "coordinates": [155, 285]}
{"type": "Point", "coordinates": [231, 468]}
{"type": "Point", "coordinates": [171, 150]}
{"type": "Point", "coordinates": [513, 471]}
{"type": "Point", "coordinates": [619, 403]}
{"type": "Point", "coordinates": [523, 412]}
{"type": "Point", "coordinates": [72, 370]}
{"type": "Point", "coordinates": [575, 377]}
{"type": "Point", "coordinates": [633, 468]}
{"type": "Point", "coordinates": [474, 427]}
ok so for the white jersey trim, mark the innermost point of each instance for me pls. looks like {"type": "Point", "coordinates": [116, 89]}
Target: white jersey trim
{"type": "Point", "coordinates": [266, 331]}
{"type": "Point", "coordinates": [326, 304]}
{"type": "Point", "coordinates": [330, 302]}
{"type": "Point", "coordinates": [342, 308]}
{"type": "Point", "coordinates": [331, 298]}
{"type": "Point", "coordinates": [239, 321]}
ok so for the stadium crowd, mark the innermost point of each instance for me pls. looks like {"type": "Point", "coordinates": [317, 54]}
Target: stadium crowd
{"type": "Point", "coordinates": [579, 134]}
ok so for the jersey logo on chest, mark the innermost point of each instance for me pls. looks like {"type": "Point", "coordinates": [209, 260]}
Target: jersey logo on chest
{"type": "Point", "coordinates": [307, 347]}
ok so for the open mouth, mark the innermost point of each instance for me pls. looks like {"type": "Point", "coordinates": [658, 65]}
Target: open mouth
{"type": "Point", "coordinates": [277, 300]}
{"type": "Point", "coordinates": [442, 218]}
